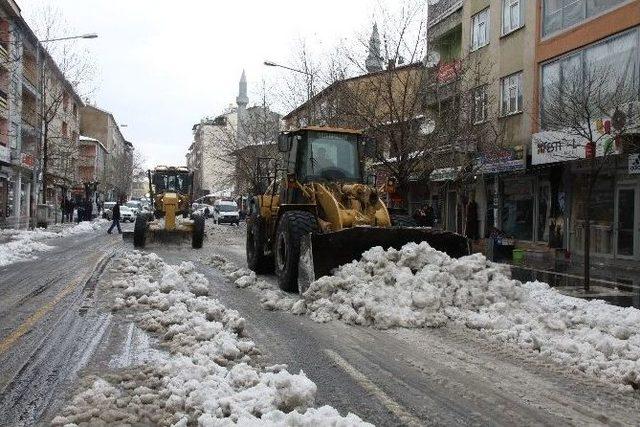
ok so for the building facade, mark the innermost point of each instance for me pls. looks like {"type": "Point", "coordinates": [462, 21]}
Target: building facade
{"type": "Point", "coordinates": [523, 189]}
{"type": "Point", "coordinates": [39, 125]}
{"type": "Point", "coordinates": [597, 37]}
{"type": "Point", "coordinates": [115, 181]}
{"type": "Point", "coordinates": [214, 141]}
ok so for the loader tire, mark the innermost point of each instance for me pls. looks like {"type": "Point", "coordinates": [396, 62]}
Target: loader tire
{"type": "Point", "coordinates": [399, 220]}
{"type": "Point", "coordinates": [140, 232]}
{"type": "Point", "coordinates": [256, 258]}
{"type": "Point", "coordinates": [198, 232]}
{"type": "Point", "coordinates": [293, 225]}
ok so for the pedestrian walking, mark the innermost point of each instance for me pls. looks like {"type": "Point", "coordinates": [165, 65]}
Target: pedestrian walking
{"type": "Point", "coordinates": [115, 215]}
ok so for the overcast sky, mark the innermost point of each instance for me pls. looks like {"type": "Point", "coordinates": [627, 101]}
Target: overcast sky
{"type": "Point", "coordinates": [163, 64]}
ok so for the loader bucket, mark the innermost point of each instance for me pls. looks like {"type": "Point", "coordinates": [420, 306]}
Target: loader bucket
{"type": "Point", "coordinates": [320, 253]}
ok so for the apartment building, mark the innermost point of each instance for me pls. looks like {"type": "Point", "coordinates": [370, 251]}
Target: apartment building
{"type": "Point", "coordinates": [595, 37]}
{"type": "Point", "coordinates": [18, 132]}
{"type": "Point", "coordinates": [92, 160]}
{"type": "Point", "coordinates": [523, 190]}
{"type": "Point", "coordinates": [101, 125]}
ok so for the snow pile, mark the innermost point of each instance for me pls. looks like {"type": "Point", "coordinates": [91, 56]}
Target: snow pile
{"type": "Point", "coordinates": [209, 376]}
{"type": "Point", "coordinates": [25, 244]}
{"type": "Point", "coordinates": [23, 248]}
{"type": "Point", "coordinates": [418, 286]}
{"type": "Point", "coordinates": [271, 297]}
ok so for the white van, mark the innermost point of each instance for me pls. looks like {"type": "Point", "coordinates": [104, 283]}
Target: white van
{"type": "Point", "coordinates": [226, 212]}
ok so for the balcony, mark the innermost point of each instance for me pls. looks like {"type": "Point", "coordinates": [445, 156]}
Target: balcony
{"type": "Point", "coordinates": [443, 16]}
{"type": "Point", "coordinates": [30, 86]}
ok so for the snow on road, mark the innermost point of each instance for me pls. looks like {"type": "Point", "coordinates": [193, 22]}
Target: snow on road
{"type": "Point", "coordinates": [418, 287]}
{"type": "Point", "coordinates": [206, 372]}
{"type": "Point", "coordinates": [23, 245]}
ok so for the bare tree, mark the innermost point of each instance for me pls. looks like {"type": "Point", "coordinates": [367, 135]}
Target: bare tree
{"type": "Point", "coordinates": [587, 115]}
{"type": "Point", "coordinates": [65, 70]}
{"type": "Point", "coordinates": [239, 144]}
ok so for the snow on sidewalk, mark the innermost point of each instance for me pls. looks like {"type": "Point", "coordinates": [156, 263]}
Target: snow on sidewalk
{"type": "Point", "coordinates": [25, 244]}
{"type": "Point", "coordinates": [208, 375]}
{"type": "Point", "coordinates": [418, 287]}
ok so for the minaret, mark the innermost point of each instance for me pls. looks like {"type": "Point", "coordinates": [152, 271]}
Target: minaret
{"type": "Point", "coordinates": [374, 60]}
{"type": "Point", "coordinates": [242, 100]}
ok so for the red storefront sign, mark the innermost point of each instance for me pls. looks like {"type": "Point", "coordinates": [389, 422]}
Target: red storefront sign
{"type": "Point", "coordinates": [27, 160]}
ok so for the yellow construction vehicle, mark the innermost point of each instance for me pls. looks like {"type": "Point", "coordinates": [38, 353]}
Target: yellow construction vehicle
{"type": "Point", "coordinates": [170, 189]}
{"type": "Point", "coordinates": [317, 213]}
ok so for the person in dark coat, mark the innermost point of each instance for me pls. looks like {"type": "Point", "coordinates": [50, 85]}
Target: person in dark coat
{"type": "Point", "coordinates": [429, 216]}
{"type": "Point", "coordinates": [115, 214]}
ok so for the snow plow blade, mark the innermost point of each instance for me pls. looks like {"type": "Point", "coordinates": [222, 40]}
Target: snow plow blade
{"type": "Point", "coordinates": [322, 253]}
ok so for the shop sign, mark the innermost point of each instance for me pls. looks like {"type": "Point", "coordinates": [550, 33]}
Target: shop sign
{"type": "Point", "coordinates": [634, 163]}
{"type": "Point", "coordinates": [5, 154]}
{"type": "Point", "coordinates": [554, 146]}
{"type": "Point", "coordinates": [27, 160]}
{"type": "Point", "coordinates": [444, 174]}
{"type": "Point", "coordinates": [502, 160]}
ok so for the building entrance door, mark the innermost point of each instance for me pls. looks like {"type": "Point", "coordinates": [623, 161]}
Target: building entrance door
{"type": "Point", "coordinates": [627, 221]}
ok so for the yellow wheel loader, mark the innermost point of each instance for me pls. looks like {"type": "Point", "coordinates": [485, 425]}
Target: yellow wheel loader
{"type": "Point", "coordinates": [317, 213]}
{"type": "Point", "coordinates": [170, 189]}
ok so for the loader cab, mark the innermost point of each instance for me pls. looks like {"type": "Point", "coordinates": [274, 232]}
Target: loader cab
{"type": "Point", "coordinates": [170, 179]}
{"type": "Point", "coordinates": [322, 154]}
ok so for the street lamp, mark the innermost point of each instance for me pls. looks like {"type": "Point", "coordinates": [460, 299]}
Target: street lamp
{"type": "Point", "coordinates": [82, 36]}
{"type": "Point", "coordinates": [309, 82]}
{"type": "Point", "coordinates": [273, 64]}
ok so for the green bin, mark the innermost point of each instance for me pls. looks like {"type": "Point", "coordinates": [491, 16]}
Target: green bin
{"type": "Point", "coordinates": [518, 256]}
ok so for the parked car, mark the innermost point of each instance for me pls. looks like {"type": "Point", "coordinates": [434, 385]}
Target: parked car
{"type": "Point", "coordinates": [107, 210]}
{"type": "Point", "coordinates": [226, 212]}
{"type": "Point", "coordinates": [134, 205]}
{"type": "Point", "coordinates": [203, 209]}
{"type": "Point", "coordinates": [127, 214]}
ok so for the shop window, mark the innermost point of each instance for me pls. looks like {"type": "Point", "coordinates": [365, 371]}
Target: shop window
{"type": "Point", "coordinates": [517, 209]}
{"type": "Point", "coordinates": [480, 29]}
{"type": "Point", "coordinates": [511, 15]}
{"type": "Point", "coordinates": [544, 212]}
{"type": "Point", "coordinates": [511, 94]}
{"type": "Point", "coordinates": [4, 184]}
{"type": "Point", "coordinates": [601, 211]}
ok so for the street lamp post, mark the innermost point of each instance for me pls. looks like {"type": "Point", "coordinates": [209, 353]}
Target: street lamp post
{"type": "Point", "coordinates": [308, 74]}
{"type": "Point", "coordinates": [38, 172]}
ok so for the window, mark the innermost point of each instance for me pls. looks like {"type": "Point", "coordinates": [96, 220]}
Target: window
{"type": "Point", "coordinates": [480, 104]}
{"type": "Point", "coordinates": [65, 131]}
{"type": "Point", "coordinates": [330, 156]}
{"type": "Point", "coordinates": [480, 29]}
{"type": "Point", "coordinates": [560, 14]}
{"type": "Point", "coordinates": [511, 94]}
{"type": "Point", "coordinates": [511, 15]}
{"type": "Point", "coordinates": [617, 57]}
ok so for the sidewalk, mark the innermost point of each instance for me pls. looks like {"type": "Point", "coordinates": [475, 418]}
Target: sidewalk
{"type": "Point", "coordinates": [612, 284]}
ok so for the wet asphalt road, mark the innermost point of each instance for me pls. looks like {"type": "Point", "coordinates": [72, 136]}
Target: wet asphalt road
{"type": "Point", "coordinates": [54, 328]}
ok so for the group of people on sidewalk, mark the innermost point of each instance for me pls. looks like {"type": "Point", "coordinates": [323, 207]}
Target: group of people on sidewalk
{"type": "Point", "coordinates": [424, 216]}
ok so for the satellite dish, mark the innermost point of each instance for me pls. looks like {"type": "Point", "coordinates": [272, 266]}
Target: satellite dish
{"type": "Point", "coordinates": [432, 59]}
{"type": "Point", "coordinates": [427, 126]}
